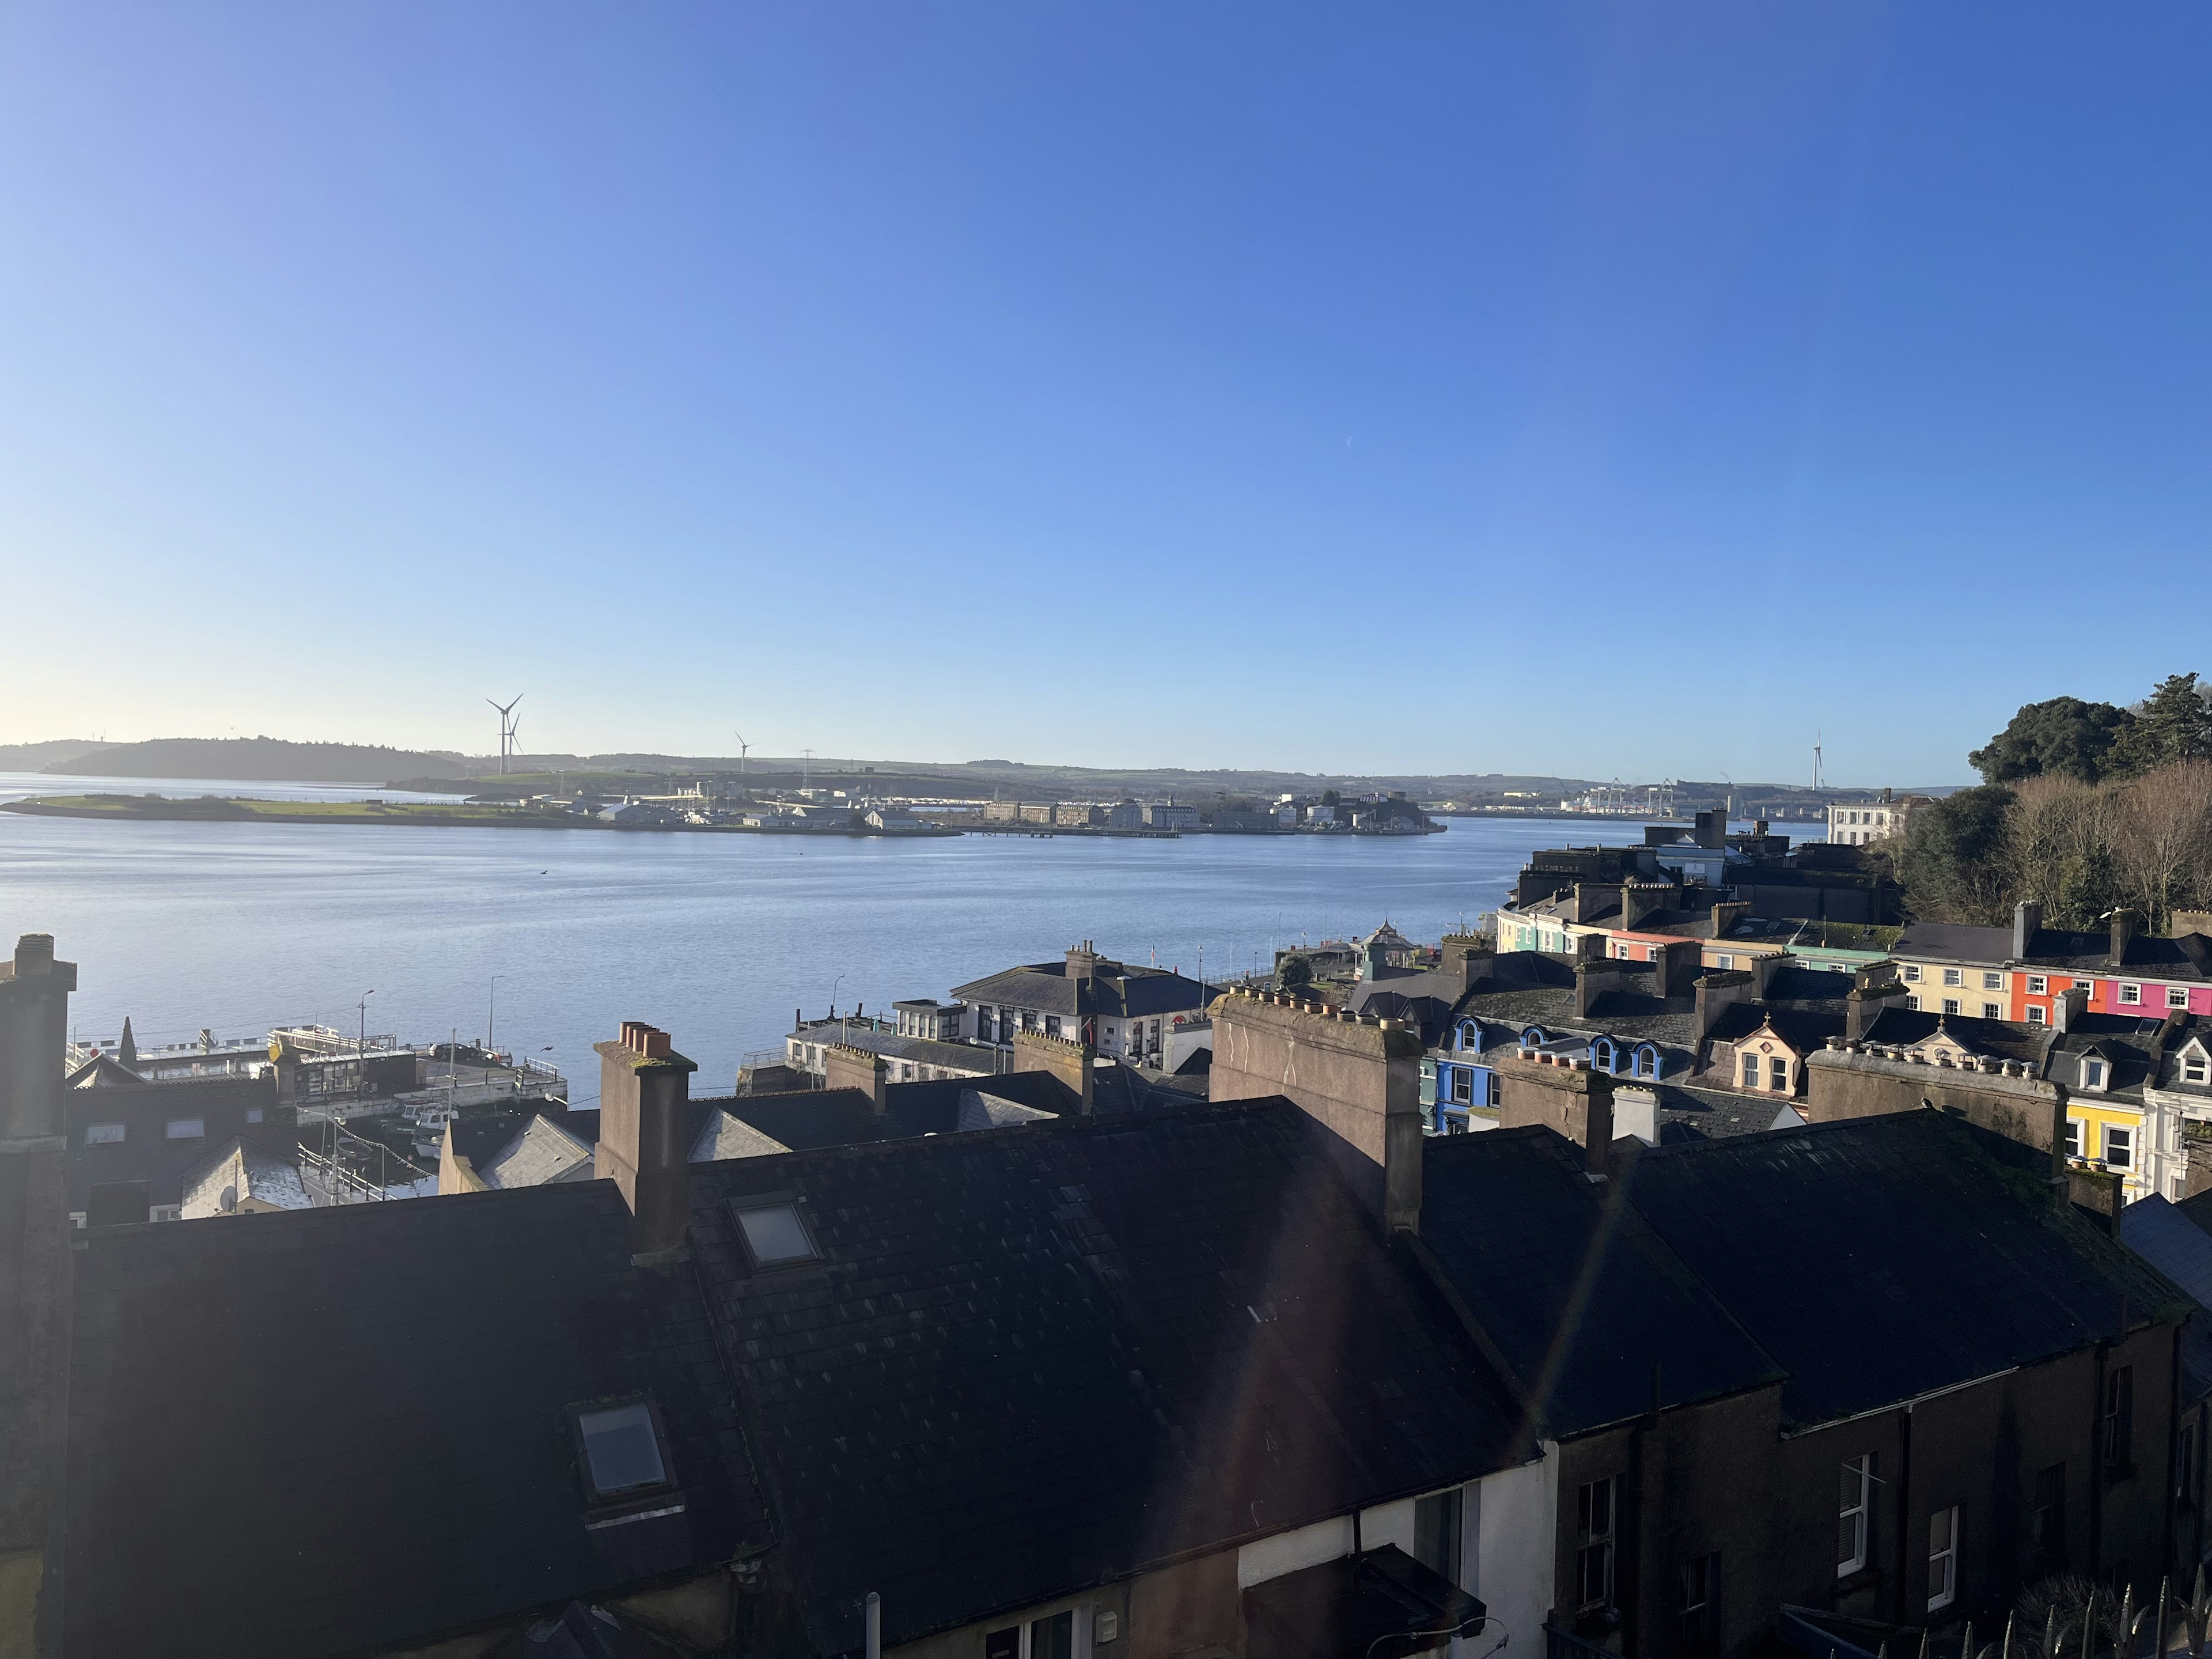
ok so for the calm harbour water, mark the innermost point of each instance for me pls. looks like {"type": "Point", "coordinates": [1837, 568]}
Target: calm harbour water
{"type": "Point", "coordinates": [237, 927]}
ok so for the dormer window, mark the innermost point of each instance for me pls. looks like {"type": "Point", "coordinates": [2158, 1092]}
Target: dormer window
{"type": "Point", "coordinates": [2193, 1067]}
{"type": "Point", "coordinates": [2093, 1073]}
{"type": "Point", "coordinates": [776, 1236]}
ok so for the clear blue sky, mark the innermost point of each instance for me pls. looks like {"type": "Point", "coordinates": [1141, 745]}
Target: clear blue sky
{"type": "Point", "coordinates": [1592, 389]}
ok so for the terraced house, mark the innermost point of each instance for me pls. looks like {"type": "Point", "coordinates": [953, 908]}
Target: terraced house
{"type": "Point", "coordinates": [1272, 1374]}
{"type": "Point", "coordinates": [2023, 972]}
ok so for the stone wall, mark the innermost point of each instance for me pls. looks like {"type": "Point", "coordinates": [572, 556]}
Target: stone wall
{"type": "Point", "coordinates": [1858, 1082]}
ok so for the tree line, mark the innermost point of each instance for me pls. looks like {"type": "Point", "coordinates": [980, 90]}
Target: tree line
{"type": "Point", "coordinates": [2086, 807]}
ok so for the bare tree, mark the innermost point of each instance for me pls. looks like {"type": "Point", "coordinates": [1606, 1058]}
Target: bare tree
{"type": "Point", "coordinates": [2064, 832]}
{"type": "Point", "coordinates": [2166, 835]}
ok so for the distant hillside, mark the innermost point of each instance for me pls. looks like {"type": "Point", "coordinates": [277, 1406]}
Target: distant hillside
{"type": "Point", "coordinates": [270, 758]}
{"type": "Point", "coordinates": [35, 757]}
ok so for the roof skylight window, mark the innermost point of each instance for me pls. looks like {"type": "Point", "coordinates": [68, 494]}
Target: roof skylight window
{"type": "Point", "coordinates": [622, 1449]}
{"type": "Point", "coordinates": [775, 1236]}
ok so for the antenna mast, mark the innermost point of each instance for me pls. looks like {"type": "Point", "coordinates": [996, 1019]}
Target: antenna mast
{"type": "Point", "coordinates": [508, 725]}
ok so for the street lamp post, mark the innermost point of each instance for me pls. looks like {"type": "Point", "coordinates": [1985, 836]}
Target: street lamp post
{"type": "Point", "coordinates": [360, 1062]}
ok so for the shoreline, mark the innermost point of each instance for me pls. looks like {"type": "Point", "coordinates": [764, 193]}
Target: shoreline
{"type": "Point", "coordinates": [205, 809]}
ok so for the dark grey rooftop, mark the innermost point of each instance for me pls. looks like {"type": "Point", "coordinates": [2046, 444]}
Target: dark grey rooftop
{"type": "Point", "coordinates": [1002, 1318]}
{"type": "Point", "coordinates": [1879, 1203]}
{"type": "Point", "coordinates": [1579, 1294]}
{"type": "Point", "coordinates": [321, 1431]}
{"type": "Point", "coordinates": [1119, 990]}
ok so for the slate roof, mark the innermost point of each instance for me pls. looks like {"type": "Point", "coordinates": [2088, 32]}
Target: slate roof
{"type": "Point", "coordinates": [1809, 988]}
{"type": "Point", "coordinates": [2170, 1239]}
{"type": "Point", "coordinates": [1693, 1112]}
{"type": "Point", "coordinates": [1185, 1316]}
{"type": "Point", "coordinates": [313, 1432]}
{"type": "Point", "coordinates": [545, 1151]}
{"type": "Point", "coordinates": [917, 1050]}
{"type": "Point", "coordinates": [2127, 1045]}
{"type": "Point", "coordinates": [1119, 990]}
{"type": "Point", "coordinates": [146, 1153]}
{"type": "Point", "coordinates": [1803, 1030]}
{"type": "Point", "coordinates": [1900, 1027]}
{"type": "Point", "coordinates": [806, 1119]}
{"type": "Point", "coordinates": [478, 1139]}
{"type": "Point", "coordinates": [252, 1169]}
{"type": "Point", "coordinates": [104, 1072]}
{"type": "Point", "coordinates": [1823, 1242]}
{"type": "Point", "coordinates": [1945, 941]}
{"type": "Point", "coordinates": [1578, 1293]}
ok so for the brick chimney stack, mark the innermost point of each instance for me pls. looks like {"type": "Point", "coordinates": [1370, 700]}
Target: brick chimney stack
{"type": "Point", "coordinates": [1676, 966]}
{"type": "Point", "coordinates": [1356, 1076]}
{"type": "Point", "coordinates": [1716, 991]}
{"type": "Point", "coordinates": [844, 1066]}
{"type": "Point", "coordinates": [645, 1095]}
{"type": "Point", "coordinates": [1592, 979]}
{"type": "Point", "coordinates": [2125, 925]}
{"type": "Point", "coordinates": [1639, 899]}
{"type": "Point", "coordinates": [34, 1292]}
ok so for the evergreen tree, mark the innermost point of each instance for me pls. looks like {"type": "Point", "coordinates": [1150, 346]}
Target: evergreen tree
{"type": "Point", "coordinates": [2172, 725]}
{"type": "Point", "coordinates": [2064, 737]}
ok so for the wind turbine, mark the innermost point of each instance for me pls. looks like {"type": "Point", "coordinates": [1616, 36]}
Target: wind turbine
{"type": "Point", "coordinates": [508, 725]}
{"type": "Point", "coordinates": [742, 748]}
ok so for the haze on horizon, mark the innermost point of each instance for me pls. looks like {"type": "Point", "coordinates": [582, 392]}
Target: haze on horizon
{"type": "Point", "coordinates": [1588, 390]}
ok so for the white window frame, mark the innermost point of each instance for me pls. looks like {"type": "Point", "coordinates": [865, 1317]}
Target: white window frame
{"type": "Point", "coordinates": [2125, 1158]}
{"type": "Point", "coordinates": [1912, 973]}
{"type": "Point", "coordinates": [185, 1128]}
{"type": "Point", "coordinates": [2036, 1015]}
{"type": "Point", "coordinates": [2132, 995]}
{"type": "Point", "coordinates": [2194, 1068]}
{"type": "Point", "coordinates": [1992, 1011]}
{"type": "Point", "coordinates": [1855, 1501]}
{"type": "Point", "coordinates": [2094, 1073]}
{"type": "Point", "coordinates": [1955, 976]}
{"type": "Point", "coordinates": [2074, 1137]}
{"type": "Point", "coordinates": [2038, 985]}
{"type": "Point", "coordinates": [1913, 1003]}
{"type": "Point", "coordinates": [1992, 982]}
{"type": "Point", "coordinates": [96, 1135]}
{"type": "Point", "coordinates": [2177, 996]}
{"type": "Point", "coordinates": [1945, 1558]}
{"type": "Point", "coordinates": [1950, 1004]}
{"type": "Point", "coordinates": [1725, 963]}
{"type": "Point", "coordinates": [1750, 1071]}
